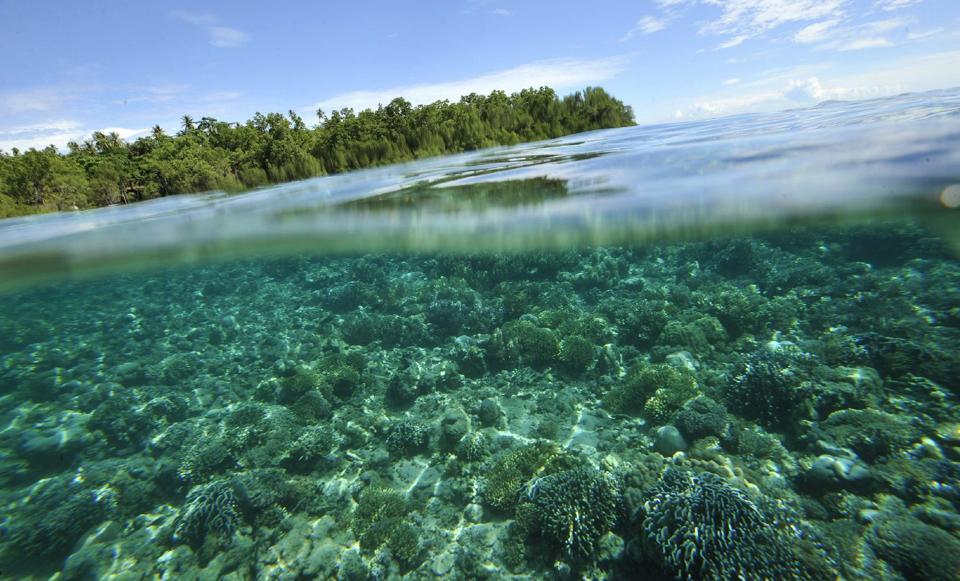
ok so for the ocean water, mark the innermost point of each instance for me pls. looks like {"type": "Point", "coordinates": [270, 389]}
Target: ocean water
{"type": "Point", "coordinates": [708, 350]}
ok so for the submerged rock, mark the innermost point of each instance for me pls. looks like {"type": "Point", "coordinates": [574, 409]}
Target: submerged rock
{"type": "Point", "coordinates": [829, 473]}
{"type": "Point", "coordinates": [669, 441]}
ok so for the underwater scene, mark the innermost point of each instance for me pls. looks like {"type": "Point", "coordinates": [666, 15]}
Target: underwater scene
{"type": "Point", "coordinates": [726, 349]}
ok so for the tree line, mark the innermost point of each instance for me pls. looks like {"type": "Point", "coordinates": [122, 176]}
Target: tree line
{"type": "Point", "coordinates": [209, 154]}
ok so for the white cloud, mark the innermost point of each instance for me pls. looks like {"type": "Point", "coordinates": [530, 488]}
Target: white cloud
{"type": "Point", "coordinates": [735, 41]}
{"type": "Point", "coordinates": [218, 35]}
{"type": "Point", "coordinates": [47, 127]}
{"type": "Point", "coordinates": [816, 32]}
{"type": "Point", "coordinates": [559, 74]}
{"type": "Point", "coordinates": [197, 18]}
{"type": "Point", "coordinates": [798, 87]}
{"type": "Point", "coordinates": [646, 25]}
{"type": "Point", "coordinates": [57, 133]}
{"type": "Point", "coordinates": [40, 135]}
{"type": "Point", "coordinates": [874, 34]}
{"type": "Point", "coordinates": [891, 5]}
{"type": "Point", "coordinates": [32, 100]}
{"type": "Point", "coordinates": [125, 133]}
{"type": "Point", "coordinates": [156, 94]}
{"type": "Point", "coordinates": [804, 90]}
{"type": "Point", "coordinates": [746, 19]}
{"type": "Point", "coordinates": [881, 26]}
{"type": "Point", "coordinates": [500, 12]}
{"type": "Point", "coordinates": [924, 34]}
{"type": "Point", "coordinates": [864, 43]}
{"type": "Point", "coordinates": [226, 37]}
{"type": "Point", "coordinates": [218, 96]}
{"type": "Point", "coordinates": [733, 81]}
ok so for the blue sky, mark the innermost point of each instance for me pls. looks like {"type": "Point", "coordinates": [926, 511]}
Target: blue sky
{"type": "Point", "coordinates": [70, 68]}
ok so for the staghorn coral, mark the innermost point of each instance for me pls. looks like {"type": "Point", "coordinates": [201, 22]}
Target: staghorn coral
{"type": "Point", "coordinates": [699, 527]}
{"type": "Point", "coordinates": [210, 508]}
{"type": "Point", "coordinates": [574, 509]}
{"type": "Point", "coordinates": [407, 438]}
{"type": "Point", "coordinates": [769, 388]}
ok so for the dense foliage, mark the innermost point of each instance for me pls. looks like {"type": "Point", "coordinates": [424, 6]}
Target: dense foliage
{"type": "Point", "coordinates": [210, 154]}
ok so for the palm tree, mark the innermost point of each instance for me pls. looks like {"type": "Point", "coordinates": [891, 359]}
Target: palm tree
{"type": "Point", "coordinates": [187, 122]}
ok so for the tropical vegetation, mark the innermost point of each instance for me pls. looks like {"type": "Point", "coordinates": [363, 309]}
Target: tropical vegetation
{"type": "Point", "coordinates": [210, 154]}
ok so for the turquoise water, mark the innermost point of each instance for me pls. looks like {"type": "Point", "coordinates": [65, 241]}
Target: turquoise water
{"type": "Point", "coordinates": [713, 350]}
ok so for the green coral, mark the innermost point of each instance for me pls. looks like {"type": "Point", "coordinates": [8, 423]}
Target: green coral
{"type": "Point", "coordinates": [916, 550]}
{"type": "Point", "coordinates": [379, 520]}
{"type": "Point", "coordinates": [54, 516]}
{"type": "Point", "coordinates": [701, 417]}
{"type": "Point", "coordinates": [698, 335]}
{"type": "Point", "coordinates": [472, 447]}
{"type": "Point", "coordinates": [666, 401]}
{"type": "Point", "coordinates": [315, 443]}
{"type": "Point", "coordinates": [301, 381]}
{"type": "Point", "coordinates": [870, 433]}
{"type": "Point", "coordinates": [405, 547]}
{"type": "Point", "coordinates": [595, 329]}
{"type": "Point", "coordinates": [576, 353]}
{"type": "Point", "coordinates": [655, 390]}
{"type": "Point", "coordinates": [770, 387]}
{"type": "Point", "coordinates": [407, 438]}
{"type": "Point", "coordinates": [339, 374]}
{"type": "Point", "coordinates": [537, 346]}
{"type": "Point", "coordinates": [509, 472]}
{"type": "Point", "coordinates": [204, 459]}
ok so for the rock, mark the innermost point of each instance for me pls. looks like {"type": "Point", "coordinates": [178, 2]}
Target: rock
{"type": "Point", "coordinates": [489, 413]}
{"type": "Point", "coordinates": [701, 416]}
{"type": "Point", "coordinates": [682, 360]}
{"type": "Point", "coordinates": [829, 473]}
{"type": "Point", "coordinates": [473, 513]}
{"type": "Point", "coordinates": [610, 547]}
{"type": "Point", "coordinates": [669, 441]}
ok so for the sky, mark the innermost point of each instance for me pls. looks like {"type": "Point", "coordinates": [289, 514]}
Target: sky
{"type": "Point", "coordinates": [71, 68]}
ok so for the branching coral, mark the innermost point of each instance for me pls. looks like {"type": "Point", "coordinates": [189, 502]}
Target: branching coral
{"type": "Point", "coordinates": [574, 509]}
{"type": "Point", "coordinates": [699, 527]}
{"type": "Point", "coordinates": [210, 508]}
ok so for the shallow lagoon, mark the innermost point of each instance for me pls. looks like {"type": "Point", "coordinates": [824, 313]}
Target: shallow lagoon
{"type": "Point", "coordinates": [696, 350]}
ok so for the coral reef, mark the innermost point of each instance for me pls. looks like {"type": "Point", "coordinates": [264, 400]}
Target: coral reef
{"type": "Point", "coordinates": [763, 407]}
